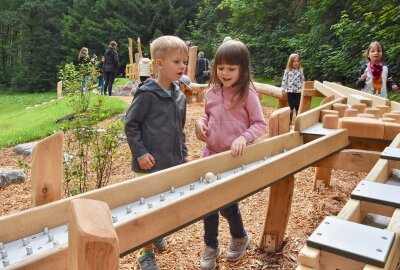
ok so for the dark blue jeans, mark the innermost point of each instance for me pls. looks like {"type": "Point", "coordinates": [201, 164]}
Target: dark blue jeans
{"type": "Point", "coordinates": [211, 223]}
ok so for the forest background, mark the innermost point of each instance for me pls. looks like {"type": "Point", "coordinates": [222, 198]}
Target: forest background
{"type": "Point", "coordinates": [37, 38]}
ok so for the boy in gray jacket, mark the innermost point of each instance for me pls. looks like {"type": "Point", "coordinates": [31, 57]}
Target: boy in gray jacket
{"type": "Point", "coordinates": [156, 118]}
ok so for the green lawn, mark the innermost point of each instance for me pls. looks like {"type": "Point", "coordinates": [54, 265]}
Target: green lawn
{"type": "Point", "coordinates": [19, 124]}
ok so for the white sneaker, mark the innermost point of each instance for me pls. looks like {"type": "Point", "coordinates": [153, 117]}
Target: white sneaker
{"type": "Point", "coordinates": [237, 248]}
{"type": "Point", "coordinates": [209, 259]}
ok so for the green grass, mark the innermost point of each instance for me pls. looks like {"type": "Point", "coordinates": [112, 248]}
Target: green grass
{"type": "Point", "coordinates": [19, 125]}
{"type": "Point", "coordinates": [120, 82]}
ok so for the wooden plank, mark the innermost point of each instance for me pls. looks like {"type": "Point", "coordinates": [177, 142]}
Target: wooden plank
{"type": "Point", "coordinates": [330, 261]}
{"type": "Point", "coordinates": [351, 160]}
{"type": "Point", "coordinates": [363, 127]}
{"type": "Point", "coordinates": [394, 105]}
{"type": "Point", "coordinates": [351, 211]}
{"type": "Point", "coordinates": [47, 169]}
{"type": "Point", "coordinates": [311, 93]}
{"type": "Point", "coordinates": [356, 99]}
{"type": "Point", "coordinates": [269, 90]}
{"type": "Point", "coordinates": [328, 91]}
{"type": "Point", "coordinates": [348, 91]}
{"type": "Point", "coordinates": [311, 117]}
{"type": "Point", "coordinates": [378, 193]}
{"type": "Point", "coordinates": [92, 240]}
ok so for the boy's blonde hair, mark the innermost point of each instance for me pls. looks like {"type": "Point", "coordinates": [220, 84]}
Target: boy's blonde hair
{"type": "Point", "coordinates": [163, 45]}
{"type": "Point", "coordinates": [289, 65]}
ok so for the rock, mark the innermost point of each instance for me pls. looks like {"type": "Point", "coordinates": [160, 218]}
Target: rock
{"type": "Point", "coordinates": [127, 90]}
{"type": "Point", "coordinates": [121, 116]}
{"type": "Point", "coordinates": [25, 148]}
{"type": "Point", "coordinates": [11, 176]}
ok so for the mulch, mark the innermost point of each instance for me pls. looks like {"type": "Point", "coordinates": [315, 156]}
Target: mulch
{"type": "Point", "coordinates": [186, 246]}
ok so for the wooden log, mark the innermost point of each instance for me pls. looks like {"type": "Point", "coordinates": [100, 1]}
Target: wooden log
{"type": "Point", "coordinates": [388, 120]}
{"type": "Point", "coordinates": [309, 257]}
{"type": "Point", "coordinates": [281, 194]}
{"type": "Point", "coordinates": [139, 45]}
{"type": "Point", "coordinates": [92, 240]}
{"type": "Point", "coordinates": [47, 170]}
{"type": "Point", "coordinates": [328, 91]}
{"type": "Point", "coordinates": [325, 112]}
{"type": "Point", "coordinates": [351, 113]}
{"type": "Point", "coordinates": [359, 106]}
{"type": "Point", "coordinates": [366, 115]}
{"type": "Point", "coordinates": [383, 108]}
{"type": "Point", "coordinates": [330, 121]}
{"type": "Point", "coordinates": [363, 127]}
{"type": "Point", "coordinates": [375, 111]}
{"type": "Point", "coordinates": [192, 63]}
{"type": "Point", "coordinates": [341, 108]}
{"type": "Point", "coordinates": [392, 115]}
{"type": "Point", "coordinates": [391, 130]}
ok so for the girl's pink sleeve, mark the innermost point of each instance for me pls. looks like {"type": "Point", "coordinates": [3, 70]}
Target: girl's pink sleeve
{"type": "Point", "coordinates": [256, 118]}
{"type": "Point", "coordinates": [206, 115]}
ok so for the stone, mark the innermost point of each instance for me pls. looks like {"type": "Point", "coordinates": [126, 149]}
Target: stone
{"type": "Point", "coordinates": [11, 176]}
{"type": "Point", "coordinates": [25, 148]}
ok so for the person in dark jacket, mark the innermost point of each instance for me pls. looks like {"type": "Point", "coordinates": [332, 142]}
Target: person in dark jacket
{"type": "Point", "coordinates": [110, 66]}
{"type": "Point", "coordinates": [155, 121]}
{"type": "Point", "coordinates": [202, 69]}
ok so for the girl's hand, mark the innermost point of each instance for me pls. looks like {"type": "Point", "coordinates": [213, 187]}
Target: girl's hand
{"type": "Point", "coordinates": [147, 162]}
{"type": "Point", "coordinates": [201, 131]}
{"type": "Point", "coordinates": [238, 146]}
{"type": "Point", "coordinates": [395, 88]}
{"type": "Point", "coordinates": [186, 159]}
{"type": "Point", "coordinates": [363, 77]}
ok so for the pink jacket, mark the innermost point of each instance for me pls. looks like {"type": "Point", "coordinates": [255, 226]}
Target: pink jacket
{"type": "Point", "coordinates": [226, 123]}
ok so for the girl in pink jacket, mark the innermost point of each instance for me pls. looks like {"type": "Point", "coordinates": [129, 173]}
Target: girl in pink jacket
{"type": "Point", "coordinates": [233, 118]}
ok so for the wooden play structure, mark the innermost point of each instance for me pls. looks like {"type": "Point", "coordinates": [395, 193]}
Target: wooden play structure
{"type": "Point", "coordinates": [351, 130]}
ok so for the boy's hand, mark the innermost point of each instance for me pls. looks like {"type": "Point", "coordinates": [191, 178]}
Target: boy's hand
{"type": "Point", "coordinates": [395, 88]}
{"type": "Point", "coordinates": [238, 146]}
{"type": "Point", "coordinates": [147, 162]}
{"type": "Point", "coordinates": [201, 130]}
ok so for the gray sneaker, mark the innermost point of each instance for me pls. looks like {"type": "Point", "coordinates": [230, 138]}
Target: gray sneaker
{"type": "Point", "coordinates": [160, 244]}
{"type": "Point", "coordinates": [148, 262]}
{"type": "Point", "coordinates": [209, 259]}
{"type": "Point", "coordinates": [237, 248]}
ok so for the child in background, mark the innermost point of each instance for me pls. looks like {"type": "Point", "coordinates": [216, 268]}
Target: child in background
{"type": "Point", "coordinates": [84, 61]}
{"type": "Point", "coordinates": [233, 118]}
{"type": "Point", "coordinates": [375, 77]}
{"type": "Point", "coordinates": [292, 83]}
{"type": "Point", "coordinates": [155, 121]}
{"type": "Point", "coordinates": [100, 76]}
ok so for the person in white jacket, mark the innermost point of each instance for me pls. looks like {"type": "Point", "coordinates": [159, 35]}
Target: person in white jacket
{"type": "Point", "coordinates": [145, 69]}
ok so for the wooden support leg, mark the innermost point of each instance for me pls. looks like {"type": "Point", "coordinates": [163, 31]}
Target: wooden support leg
{"type": "Point", "coordinates": [305, 104]}
{"type": "Point", "coordinates": [280, 201]}
{"type": "Point", "coordinates": [322, 178]}
{"type": "Point", "coordinates": [280, 196]}
{"type": "Point", "coordinates": [92, 241]}
{"type": "Point", "coordinates": [47, 169]}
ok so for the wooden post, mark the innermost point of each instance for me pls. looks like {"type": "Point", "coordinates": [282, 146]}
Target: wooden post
{"type": "Point", "coordinates": [153, 62]}
{"type": "Point", "coordinates": [59, 90]}
{"type": "Point", "coordinates": [47, 169]}
{"type": "Point", "coordinates": [139, 45]}
{"type": "Point", "coordinates": [281, 193]}
{"type": "Point", "coordinates": [92, 241]}
{"type": "Point", "coordinates": [305, 101]}
{"type": "Point", "coordinates": [130, 51]}
{"type": "Point", "coordinates": [192, 63]}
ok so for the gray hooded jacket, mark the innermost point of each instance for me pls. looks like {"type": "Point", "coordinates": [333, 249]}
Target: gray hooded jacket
{"type": "Point", "coordinates": [154, 124]}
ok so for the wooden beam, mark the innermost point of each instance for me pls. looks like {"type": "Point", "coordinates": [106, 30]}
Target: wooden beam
{"type": "Point", "coordinates": [309, 256]}
{"type": "Point", "coordinates": [130, 50]}
{"type": "Point", "coordinates": [46, 182]}
{"type": "Point", "coordinates": [175, 214]}
{"type": "Point", "coordinates": [328, 91]}
{"type": "Point", "coordinates": [92, 240]}
{"type": "Point", "coordinates": [351, 160]}
{"type": "Point", "coordinates": [376, 100]}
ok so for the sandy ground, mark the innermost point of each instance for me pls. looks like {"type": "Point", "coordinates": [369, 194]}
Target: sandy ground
{"type": "Point", "coordinates": [186, 246]}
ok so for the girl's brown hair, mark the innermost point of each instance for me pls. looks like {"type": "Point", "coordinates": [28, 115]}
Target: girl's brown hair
{"type": "Point", "coordinates": [371, 45]}
{"type": "Point", "coordinates": [234, 52]}
{"type": "Point", "coordinates": [289, 65]}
